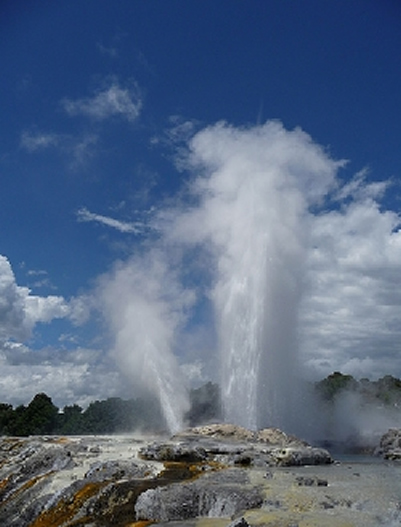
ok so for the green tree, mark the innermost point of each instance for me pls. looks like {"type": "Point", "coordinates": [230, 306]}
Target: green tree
{"type": "Point", "coordinates": [388, 390]}
{"type": "Point", "coordinates": [40, 416]}
{"type": "Point", "coordinates": [335, 383]}
{"type": "Point", "coordinates": [6, 418]}
{"type": "Point", "coordinates": [70, 421]}
{"type": "Point", "coordinates": [18, 425]}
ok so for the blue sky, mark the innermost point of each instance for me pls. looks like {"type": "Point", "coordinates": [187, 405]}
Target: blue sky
{"type": "Point", "coordinates": [99, 102]}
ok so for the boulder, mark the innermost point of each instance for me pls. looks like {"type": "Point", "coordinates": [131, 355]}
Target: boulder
{"type": "Point", "coordinates": [171, 451]}
{"type": "Point", "coordinates": [223, 431]}
{"type": "Point", "coordinates": [275, 436]}
{"type": "Point", "coordinates": [233, 445]}
{"type": "Point", "coordinates": [216, 495]}
{"type": "Point", "coordinates": [297, 456]}
{"type": "Point", "coordinates": [390, 444]}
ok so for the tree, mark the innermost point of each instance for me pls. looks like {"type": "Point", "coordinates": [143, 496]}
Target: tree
{"type": "Point", "coordinates": [6, 418]}
{"type": "Point", "coordinates": [70, 421]}
{"type": "Point", "coordinates": [40, 416]}
{"type": "Point", "coordinates": [335, 383]}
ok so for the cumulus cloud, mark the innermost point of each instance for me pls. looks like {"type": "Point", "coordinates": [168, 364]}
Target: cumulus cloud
{"type": "Point", "coordinates": [20, 310]}
{"type": "Point", "coordinates": [351, 316]}
{"type": "Point", "coordinates": [106, 103]}
{"type": "Point", "coordinates": [69, 376]}
{"type": "Point", "coordinates": [78, 376]}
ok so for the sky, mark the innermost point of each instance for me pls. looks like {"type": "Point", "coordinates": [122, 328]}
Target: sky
{"type": "Point", "coordinates": [119, 123]}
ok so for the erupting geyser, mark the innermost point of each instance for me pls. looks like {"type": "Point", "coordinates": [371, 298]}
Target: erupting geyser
{"type": "Point", "coordinates": [248, 218]}
{"type": "Point", "coordinates": [254, 193]}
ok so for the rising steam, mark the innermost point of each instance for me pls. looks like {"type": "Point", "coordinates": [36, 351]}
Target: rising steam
{"type": "Point", "coordinates": [145, 307]}
{"type": "Point", "coordinates": [251, 216]}
{"type": "Point", "coordinates": [239, 243]}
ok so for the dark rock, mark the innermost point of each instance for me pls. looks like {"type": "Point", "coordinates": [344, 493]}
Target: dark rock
{"type": "Point", "coordinates": [118, 470]}
{"type": "Point", "coordinates": [311, 481]}
{"type": "Point", "coordinates": [207, 496]}
{"type": "Point", "coordinates": [239, 522]}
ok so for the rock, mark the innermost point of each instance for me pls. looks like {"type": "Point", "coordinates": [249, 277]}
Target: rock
{"type": "Point", "coordinates": [113, 481]}
{"type": "Point", "coordinates": [274, 436]}
{"type": "Point", "coordinates": [188, 453]}
{"type": "Point", "coordinates": [51, 481]}
{"type": "Point", "coordinates": [239, 522]}
{"type": "Point", "coordinates": [219, 431]}
{"type": "Point", "coordinates": [293, 456]}
{"type": "Point", "coordinates": [234, 445]}
{"type": "Point", "coordinates": [223, 494]}
{"type": "Point", "coordinates": [115, 470]}
{"type": "Point", "coordinates": [390, 444]}
{"type": "Point", "coordinates": [311, 481]}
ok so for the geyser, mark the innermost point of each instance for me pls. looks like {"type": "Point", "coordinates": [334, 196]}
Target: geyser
{"type": "Point", "coordinates": [144, 307]}
{"type": "Point", "coordinates": [253, 194]}
{"type": "Point", "coordinates": [247, 218]}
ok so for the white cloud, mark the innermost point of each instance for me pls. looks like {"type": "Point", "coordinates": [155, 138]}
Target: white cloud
{"type": "Point", "coordinates": [85, 215]}
{"type": "Point", "coordinates": [253, 186]}
{"type": "Point", "coordinates": [79, 149]}
{"type": "Point", "coordinates": [78, 376]}
{"type": "Point", "coordinates": [33, 141]}
{"type": "Point", "coordinates": [68, 376]}
{"type": "Point", "coordinates": [112, 101]}
{"type": "Point", "coordinates": [351, 317]}
{"type": "Point", "coordinates": [20, 310]}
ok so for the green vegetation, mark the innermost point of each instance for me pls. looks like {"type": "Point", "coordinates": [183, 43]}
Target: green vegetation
{"type": "Point", "coordinates": [334, 384]}
{"type": "Point", "coordinates": [115, 415]}
{"type": "Point", "coordinates": [383, 392]}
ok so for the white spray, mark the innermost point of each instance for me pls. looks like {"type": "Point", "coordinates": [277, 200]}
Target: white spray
{"type": "Point", "coordinates": [145, 306]}
{"type": "Point", "coordinates": [248, 220]}
{"type": "Point", "coordinates": [254, 191]}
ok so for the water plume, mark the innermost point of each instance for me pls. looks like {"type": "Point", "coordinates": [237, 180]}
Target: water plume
{"type": "Point", "coordinates": [241, 235]}
{"type": "Point", "coordinates": [144, 306]}
{"type": "Point", "coordinates": [253, 195]}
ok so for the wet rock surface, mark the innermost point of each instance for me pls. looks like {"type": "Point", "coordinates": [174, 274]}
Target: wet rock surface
{"type": "Point", "coordinates": [219, 476]}
{"type": "Point", "coordinates": [220, 494]}
{"type": "Point", "coordinates": [233, 445]}
{"type": "Point", "coordinates": [390, 445]}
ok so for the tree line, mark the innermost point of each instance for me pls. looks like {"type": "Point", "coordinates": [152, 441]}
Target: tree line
{"type": "Point", "coordinates": [114, 415]}
{"type": "Point", "coordinates": [386, 391]}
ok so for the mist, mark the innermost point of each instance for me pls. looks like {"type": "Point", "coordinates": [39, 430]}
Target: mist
{"type": "Point", "coordinates": [238, 243]}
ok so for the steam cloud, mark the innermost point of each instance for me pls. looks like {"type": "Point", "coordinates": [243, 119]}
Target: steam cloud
{"type": "Point", "coordinates": [242, 242]}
